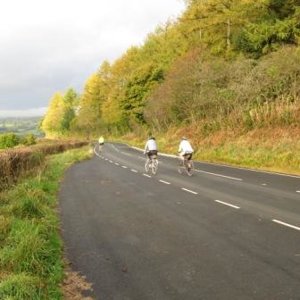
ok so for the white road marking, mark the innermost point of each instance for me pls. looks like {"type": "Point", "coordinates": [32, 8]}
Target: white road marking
{"type": "Point", "coordinates": [286, 224]}
{"type": "Point", "coordinates": [297, 191]}
{"type": "Point", "coordinates": [189, 191]}
{"type": "Point", "coordinates": [165, 182]}
{"type": "Point", "coordinates": [111, 161]}
{"type": "Point", "coordinates": [116, 164]}
{"type": "Point", "coordinates": [228, 204]}
{"type": "Point", "coordinates": [124, 167]}
{"type": "Point", "coordinates": [126, 153]}
{"type": "Point", "coordinates": [134, 171]}
{"type": "Point", "coordinates": [146, 175]}
{"type": "Point", "coordinates": [115, 148]}
{"type": "Point", "coordinates": [251, 170]}
{"type": "Point", "coordinates": [264, 184]}
{"type": "Point", "coordinates": [220, 175]}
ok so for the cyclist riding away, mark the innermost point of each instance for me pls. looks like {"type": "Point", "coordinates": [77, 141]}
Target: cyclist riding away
{"type": "Point", "coordinates": [151, 163]}
{"type": "Point", "coordinates": [185, 149]}
{"type": "Point", "coordinates": [101, 143]}
{"type": "Point", "coordinates": [150, 147]}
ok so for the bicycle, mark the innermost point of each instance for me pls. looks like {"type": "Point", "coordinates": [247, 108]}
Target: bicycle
{"type": "Point", "coordinates": [186, 164]}
{"type": "Point", "coordinates": [101, 147]}
{"type": "Point", "coordinates": [151, 164]}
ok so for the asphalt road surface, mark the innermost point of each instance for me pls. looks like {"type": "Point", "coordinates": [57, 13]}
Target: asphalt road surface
{"type": "Point", "coordinates": [224, 233]}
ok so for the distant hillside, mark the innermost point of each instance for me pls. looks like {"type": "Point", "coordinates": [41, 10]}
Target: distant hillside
{"type": "Point", "coordinates": [20, 125]}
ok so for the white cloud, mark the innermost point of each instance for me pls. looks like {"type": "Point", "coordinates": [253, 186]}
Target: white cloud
{"type": "Point", "coordinates": [33, 112]}
{"type": "Point", "coordinates": [50, 45]}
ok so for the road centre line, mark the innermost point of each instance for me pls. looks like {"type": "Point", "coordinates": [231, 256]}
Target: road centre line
{"type": "Point", "coordinates": [111, 161]}
{"type": "Point", "coordinates": [165, 182]}
{"type": "Point", "coordinates": [286, 224]}
{"type": "Point", "coordinates": [124, 167]}
{"type": "Point", "coordinates": [189, 191]}
{"type": "Point", "coordinates": [297, 191]}
{"type": "Point", "coordinates": [117, 164]}
{"type": "Point", "coordinates": [219, 175]}
{"type": "Point", "coordinates": [146, 175]}
{"type": "Point", "coordinates": [228, 204]}
{"type": "Point", "coordinates": [134, 171]}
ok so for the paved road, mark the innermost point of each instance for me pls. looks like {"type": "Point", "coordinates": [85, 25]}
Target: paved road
{"type": "Point", "coordinates": [225, 233]}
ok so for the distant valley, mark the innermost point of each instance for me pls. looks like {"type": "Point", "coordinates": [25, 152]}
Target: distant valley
{"type": "Point", "coordinates": [20, 125]}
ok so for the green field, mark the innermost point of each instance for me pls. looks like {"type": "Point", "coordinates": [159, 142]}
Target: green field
{"type": "Point", "coordinates": [20, 126]}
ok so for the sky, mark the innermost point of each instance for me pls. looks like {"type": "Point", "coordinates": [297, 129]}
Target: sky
{"type": "Point", "coordinates": [51, 45]}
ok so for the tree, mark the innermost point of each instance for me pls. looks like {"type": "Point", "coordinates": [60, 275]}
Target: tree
{"type": "Point", "coordinates": [138, 88]}
{"type": "Point", "coordinates": [70, 103]}
{"type": "Point", "coordinates": [95, 93]}
{"type": "Point", "coordinates": [281, 25]}
{"type": "Point", "coordinates": [51, 124]}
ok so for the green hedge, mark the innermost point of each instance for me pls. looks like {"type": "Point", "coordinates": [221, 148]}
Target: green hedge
{"type": "Point", "coordinates": [16, 162]}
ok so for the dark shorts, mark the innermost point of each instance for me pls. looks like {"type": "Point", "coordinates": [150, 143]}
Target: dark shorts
{"type": "Point", "coordinates": [152, 153]}
{"type": "Point", "coordinates": [188, 156]}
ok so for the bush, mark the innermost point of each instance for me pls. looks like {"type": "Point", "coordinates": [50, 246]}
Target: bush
{"type": "Point", "coordinates": [29, 140]}
{"type": "Point", "coordinates": [8, 140]}
{"type": "Point", "coordinates": [240, 94]}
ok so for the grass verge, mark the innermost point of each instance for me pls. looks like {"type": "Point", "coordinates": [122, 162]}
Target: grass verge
{"type": "Point", "coordinates": [31, 259]}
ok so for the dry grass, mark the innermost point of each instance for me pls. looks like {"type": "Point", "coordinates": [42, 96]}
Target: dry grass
{"type": "Point", "coordinates": [274, 149]}
{"type": "Point", "coordinates": [75, 285]}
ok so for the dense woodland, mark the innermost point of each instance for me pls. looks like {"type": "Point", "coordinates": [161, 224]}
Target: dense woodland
{"type": "Point", "coordinates": [223, 65]}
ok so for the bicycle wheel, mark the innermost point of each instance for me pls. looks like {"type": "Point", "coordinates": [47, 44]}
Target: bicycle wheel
{"type": "Point", "coordinates": [181, 166]}
{"type": "Point", "coordinates": [147, 163]}
{"type": "Point", "coordinates": [154, 166]}
{"type": "Point", "coordinates": [190, 167]}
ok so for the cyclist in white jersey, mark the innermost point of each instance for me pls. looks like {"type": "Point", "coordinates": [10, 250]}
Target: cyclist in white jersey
{"type": "Point", "coordinates": [150, 147]}
{"type": "Point", "coordinates": [185, 149]}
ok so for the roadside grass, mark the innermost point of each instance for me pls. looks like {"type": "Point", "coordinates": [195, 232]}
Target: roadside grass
{"type": "Point", "coordinates": [276, 149]}
{"type": "Point", "coordinates": [31, 258]}
{"type": "Point", "coordinates": [275, 159]}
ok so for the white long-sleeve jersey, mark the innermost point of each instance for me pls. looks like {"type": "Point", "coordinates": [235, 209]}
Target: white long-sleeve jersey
{"type": "Point", "coordinates": [185, 147]}
{"type": "Point", "coordinates": [150, 145]}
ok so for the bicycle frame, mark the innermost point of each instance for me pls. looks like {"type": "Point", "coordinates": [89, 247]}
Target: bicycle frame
{"type": "Point", "coordinates": [151, 164]}
{"type": "Point", "coordinates": [187, 164]}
